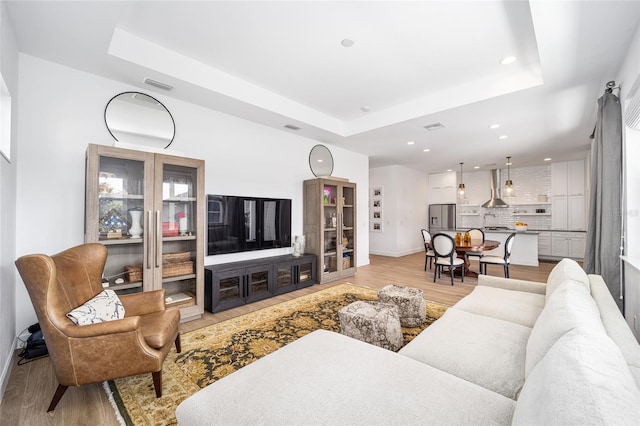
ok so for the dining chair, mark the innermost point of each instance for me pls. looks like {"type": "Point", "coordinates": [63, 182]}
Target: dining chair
{"type": "Point", "coordinates": [429, 254]}
{"type": "Point", "coordinates": [444, 248]}
{"type": "Point", "coordinates": [475, 234]}
{"type": "Point", "coordinates": [497, 260]}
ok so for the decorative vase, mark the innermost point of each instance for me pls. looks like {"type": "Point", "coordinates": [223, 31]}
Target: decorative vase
{"type": "Point", "coordinates": [135, 230]}
{"type": "Point", "coordinates": [300, 240]}
{"type": "Point", "coordinates": [182, 226]}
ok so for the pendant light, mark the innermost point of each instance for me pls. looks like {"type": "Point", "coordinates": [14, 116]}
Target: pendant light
{"type": "Point", "coordinates": [508, 187]}
{"type": "Point", "coordinates": [461, 185]}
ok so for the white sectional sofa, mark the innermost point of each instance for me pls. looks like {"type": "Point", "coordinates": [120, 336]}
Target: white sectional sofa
{"type": "Point", "coordinates": [511, 352]}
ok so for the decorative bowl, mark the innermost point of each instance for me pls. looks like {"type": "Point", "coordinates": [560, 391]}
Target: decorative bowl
{"type": "Point", "coordinates": [521, 228]}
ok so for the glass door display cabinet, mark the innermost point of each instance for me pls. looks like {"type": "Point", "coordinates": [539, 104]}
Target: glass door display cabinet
{"type": "Point", "coordinates": [228, 285]}
{"type": "Point", "coordinates": [148, 210]}
{"type": "Point", "coordinates": [330, 226]}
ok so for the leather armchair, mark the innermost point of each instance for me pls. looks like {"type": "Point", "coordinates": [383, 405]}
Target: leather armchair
{"type": "Point", "coordinates": [83, 354]}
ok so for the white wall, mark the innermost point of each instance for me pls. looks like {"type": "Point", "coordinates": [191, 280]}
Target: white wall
{"type": "Point", "coordinates": [404, 209]}
{"type": "Point", "coordinates": [61, 111]}
{"type": "Point", "coordinates": [9, 70]}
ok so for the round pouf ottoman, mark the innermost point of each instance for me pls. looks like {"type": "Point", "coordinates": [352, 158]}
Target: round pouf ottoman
{"type": "Point", "coordinates": [410, 302]}
{"type": "Point", "coordinates": [372, 322]}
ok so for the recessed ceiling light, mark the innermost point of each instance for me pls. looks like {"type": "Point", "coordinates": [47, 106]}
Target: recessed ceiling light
{"type": "Point", "coordinates": [503, 137]}
{"type": "Point", "coordinates": [547, 159]}
{"type": "Point", "coordinates": [508, 60]}
{"type": "Point", "coordinates": [347, 42]}
{"type": "Point", "coordinates": [426, 150]}
{"type": "Point", "coordinates": [509, 163]}
{"type": "Point", "coordinates": [365, 108]}
{"type": "Point", "coordinates": [476, 167]}
{"type": "Point", "coordinates": [434, 126]}
{"type": "Point", "coordinates": [494, 126]}
{"type": "Point", "coordinates": [410, 143]}
{"type": "Point", "coordinates": [449, 170]}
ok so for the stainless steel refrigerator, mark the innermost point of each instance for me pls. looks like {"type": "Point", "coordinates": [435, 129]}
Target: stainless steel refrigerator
{"type": "Point", "coordinates": [442, 217]}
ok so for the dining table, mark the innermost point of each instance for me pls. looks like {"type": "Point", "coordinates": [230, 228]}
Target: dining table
{"type": "Point", "coordinates": [473, 245]}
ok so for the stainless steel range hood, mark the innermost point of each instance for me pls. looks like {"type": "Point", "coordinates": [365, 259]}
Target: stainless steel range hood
{"type": "Point", "coordinates": [495, 201]}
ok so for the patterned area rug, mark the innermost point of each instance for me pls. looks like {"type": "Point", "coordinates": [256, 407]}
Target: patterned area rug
{"type": "Point", "coordinates": [210, 353]}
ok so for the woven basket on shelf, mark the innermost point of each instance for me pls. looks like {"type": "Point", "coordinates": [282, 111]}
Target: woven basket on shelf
{"type": "Point", "coordinates": [133, 273]}
{"type": "Point", "coordinates": [173, 265]}
{"type": "Point", "coordinates": [177, 268]}
{"type": "Point", "coordinates": [179, 256]}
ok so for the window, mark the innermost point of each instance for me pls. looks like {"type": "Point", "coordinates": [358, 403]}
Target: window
{"type": "Point", "coordinates": [5, 120]}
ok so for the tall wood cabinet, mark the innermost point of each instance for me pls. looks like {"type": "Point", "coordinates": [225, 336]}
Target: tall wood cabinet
{"type": "Point", "coordinates": [330, 226]}
{"type": "Point", "coordinates": [148, 209]}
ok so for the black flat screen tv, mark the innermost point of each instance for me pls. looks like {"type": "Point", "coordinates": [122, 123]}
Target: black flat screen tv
{"type": "Point", "coordinates": [236, 224]}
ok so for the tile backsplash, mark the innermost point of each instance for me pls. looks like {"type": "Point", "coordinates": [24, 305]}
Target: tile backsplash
{"type": "Point", "coordinates": [528, 184]}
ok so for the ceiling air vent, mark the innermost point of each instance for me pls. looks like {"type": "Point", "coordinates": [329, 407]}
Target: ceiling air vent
{"type": "Point", "coordinates": [292, 127]}
{"type": "Point", "coordinates": [434, 126]}
{"type": "Point", "coordinates": [157, 84]}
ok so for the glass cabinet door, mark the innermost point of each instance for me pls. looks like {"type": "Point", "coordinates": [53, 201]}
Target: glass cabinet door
{"type": "Point", "coordinates": [284, 278]}
{"type": "Point", "coordinates": [348, 229]}
{"type": "Point", "coordinates": [179, 215]}
{"type": "Point", "coordinates": [258, 282]}
{"type": "Point", "coordinates": [330, 214]}
{"type": "Point", "coordinates": [305, 273]}
{"type": "Point", "coordinates": [117, 199]}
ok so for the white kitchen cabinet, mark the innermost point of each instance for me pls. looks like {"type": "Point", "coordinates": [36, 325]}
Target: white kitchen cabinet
{"type": "Point", "coordinates": [544, 243]}
{"type": "Point", "coordinates": [559, 179]}
{"type": "Point", "coordinates": [559, 212]}
{"type": "Point", "coordinates": [568, 244]}
{"type": "Point", "coordinates": [568, 210]}
{"type": "Point", "coordinates": [575, 178]}
{"type": "Point", "coordinates": [442, 188]}
{"type": "Point", "coordinates": [576, 216]}
{"type": "Point", "coordinates": [567, 178]}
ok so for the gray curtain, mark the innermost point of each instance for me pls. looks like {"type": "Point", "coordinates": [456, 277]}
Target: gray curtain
{"type": "Point", "coordinates": [604, 235]}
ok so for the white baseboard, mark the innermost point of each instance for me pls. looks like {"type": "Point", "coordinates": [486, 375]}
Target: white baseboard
{"type": "Point", "coordinates": [6, 368]}
{"type": "Point", "coordinates": [395, 253]}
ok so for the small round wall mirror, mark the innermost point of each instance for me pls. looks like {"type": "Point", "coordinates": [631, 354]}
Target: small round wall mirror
{"type": "Point", "coordinates": [321, 161]}
{"type": "Point", "coordinates": [139, 119]}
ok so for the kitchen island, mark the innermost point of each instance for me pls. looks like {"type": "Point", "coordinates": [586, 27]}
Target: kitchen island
{"type": "Point", "coordinates": [525, 245]}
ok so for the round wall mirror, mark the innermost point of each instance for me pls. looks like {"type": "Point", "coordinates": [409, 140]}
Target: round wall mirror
{"type": "Point", "coordinates": [321, 161]}
{"type": "Point", "coordinates": [139, 119]}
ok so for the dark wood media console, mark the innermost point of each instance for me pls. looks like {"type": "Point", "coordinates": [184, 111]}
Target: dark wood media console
{"type": "Point", "coordinates": [233, 284]}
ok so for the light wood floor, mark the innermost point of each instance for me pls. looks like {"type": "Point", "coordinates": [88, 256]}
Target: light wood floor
{"type": "Point", "coordinates": [32, 385]}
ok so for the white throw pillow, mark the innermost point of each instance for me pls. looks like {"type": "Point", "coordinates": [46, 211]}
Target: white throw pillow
{"type": "Point", "coordinates": [105, 306]}
{"type": "Point", "coordinates": [566, 269]}
{"type": "Point", "coordinates": [569, 307]}
{"type": "Point", "coordinates": [582, 380]}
